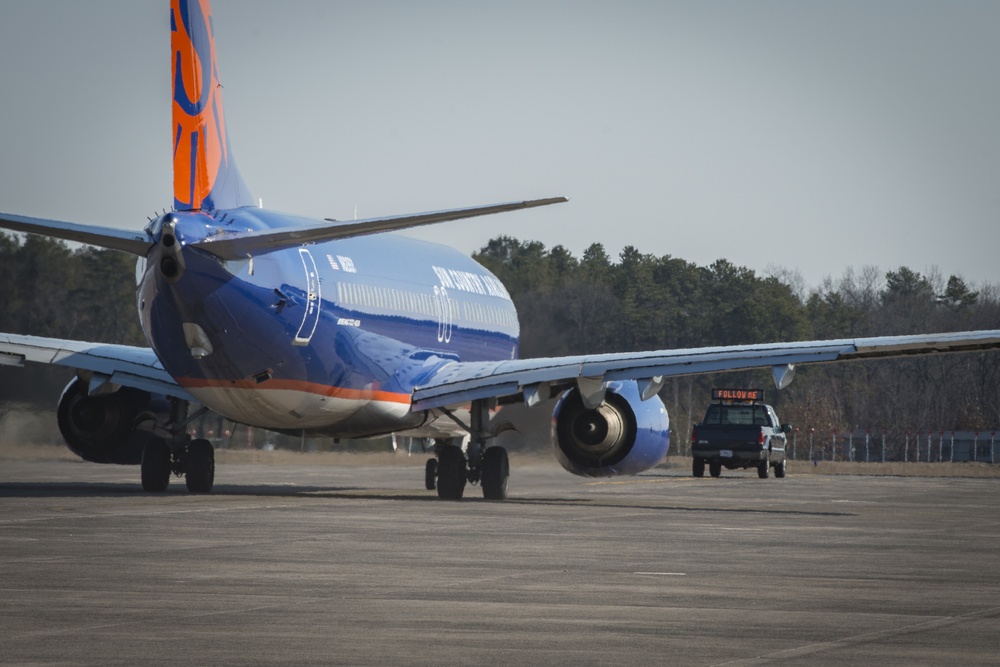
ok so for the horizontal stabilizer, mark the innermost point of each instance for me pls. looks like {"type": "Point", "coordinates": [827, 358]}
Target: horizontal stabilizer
{"type": "Point", "coordinates": [134, 242]}
{"type": "Point", "coordinates": [246, 244]}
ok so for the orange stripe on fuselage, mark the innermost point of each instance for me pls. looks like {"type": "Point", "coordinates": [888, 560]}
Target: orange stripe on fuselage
{"type": "Point", "coordinates": [298, 385]}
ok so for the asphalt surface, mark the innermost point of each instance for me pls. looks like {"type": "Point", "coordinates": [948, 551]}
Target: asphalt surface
{"type": "Point", "coordinates": [358, 565]}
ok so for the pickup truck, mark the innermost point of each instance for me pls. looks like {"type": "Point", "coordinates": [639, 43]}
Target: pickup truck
{"type": "Point", "coordinates": [739, 431]}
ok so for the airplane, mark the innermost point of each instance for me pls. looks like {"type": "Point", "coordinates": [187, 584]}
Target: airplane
{"type": "Point", "coordinates": [344, 329]}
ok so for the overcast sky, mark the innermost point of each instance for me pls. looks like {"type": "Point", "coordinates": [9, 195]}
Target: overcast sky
{"type": "Point", "coordinates": [813, 136]}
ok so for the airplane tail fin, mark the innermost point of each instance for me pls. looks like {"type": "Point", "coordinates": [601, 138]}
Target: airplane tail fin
{"type": "Point", "coordinates": [205, 174]}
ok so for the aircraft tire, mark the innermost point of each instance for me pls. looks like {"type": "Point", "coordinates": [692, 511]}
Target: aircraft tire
{"type": "Point", "coordinates": [200, 470]}
{"type": "Point", "coordinates": [496, 472]}
{"type": "Point", "coordinates": [698, 468]}
{"type": "Point", "coordinates": [431, 474]}
{"type": "Point", "coordinates": [714, 468]}
{"type": "Point", "coordinates": [155, 467]}
{"type": "Point", "coordinates": [451, 472]}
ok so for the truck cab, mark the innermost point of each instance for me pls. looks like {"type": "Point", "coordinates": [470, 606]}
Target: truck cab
{"type": "Point", "coordinates": [739, 431]}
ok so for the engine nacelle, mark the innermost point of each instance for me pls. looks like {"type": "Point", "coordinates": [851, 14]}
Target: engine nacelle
{"type": "Point", "coordinates": [623, 436]}
{"type": "Point", "coordinates": [101, 429]}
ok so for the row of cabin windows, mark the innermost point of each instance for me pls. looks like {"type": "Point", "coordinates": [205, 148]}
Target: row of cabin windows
{"type": "Point", "coordinates": [354, 294]}
{"type": "Point", "coordinates": [489, 315]}
{"type": "Point", "coordinates": [425, 306]}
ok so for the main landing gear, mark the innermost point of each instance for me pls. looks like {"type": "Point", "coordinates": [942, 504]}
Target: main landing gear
{"type": "Point", "coordinates": [179, 454]}
{"type": "Point", "coordinates": [453, 468]}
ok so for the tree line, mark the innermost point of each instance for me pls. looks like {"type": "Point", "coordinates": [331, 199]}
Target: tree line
{"type": "Point", "coordinates": [643, 302]}
{"type": "Point", "coordinates": [569, 305]}
{"type": "Point", "coordinates": [54, 291]}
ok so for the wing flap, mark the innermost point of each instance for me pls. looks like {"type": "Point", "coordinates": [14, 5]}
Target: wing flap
{"type": "Point", "coordinates": [458, 383]}
{"type": "Point", "coordinates": [122, 364]}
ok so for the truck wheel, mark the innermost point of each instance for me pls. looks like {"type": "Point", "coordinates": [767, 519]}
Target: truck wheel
{"type": "Point", "coordinates": [699, 467]}
{"type": "Point", "coordinates": [714, 468]}
{"type": "Point", "coordinates": [763, 469]}
{"type": "Point", "coordinates": [779, 469]}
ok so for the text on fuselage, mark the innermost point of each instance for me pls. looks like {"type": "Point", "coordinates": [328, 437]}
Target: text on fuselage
{"type": "Point", "coordinates": [464, 281]}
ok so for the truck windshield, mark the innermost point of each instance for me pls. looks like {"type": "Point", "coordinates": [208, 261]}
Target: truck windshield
{"type": "Point", "coordinates": [745, 415]}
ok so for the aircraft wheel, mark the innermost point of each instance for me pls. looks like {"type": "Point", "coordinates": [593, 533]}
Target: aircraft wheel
{"type": "Point", "coordinates": [698, 469]}
{"type": "Point", "coordinates": [496, 472]}
{"type": "Point", "coordinates": [431, 474]}
{"type": "Point", "coordinates": [715, 468]}
{"type": "Point", "coordinates": [200, 469]}
{"type": "Point", "coordinates": [155, 467]}
{"type": "Point", "coordinates": [763, 469]}
{"type": "Point", "coordinates": [451, 472]}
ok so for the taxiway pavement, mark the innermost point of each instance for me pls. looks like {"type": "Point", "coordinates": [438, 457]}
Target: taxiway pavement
{"type": "Point", "coordinates": [358, 565]}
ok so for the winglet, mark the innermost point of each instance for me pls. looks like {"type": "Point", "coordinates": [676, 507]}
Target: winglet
{"type": "Point", "coordinates": [205, 174]}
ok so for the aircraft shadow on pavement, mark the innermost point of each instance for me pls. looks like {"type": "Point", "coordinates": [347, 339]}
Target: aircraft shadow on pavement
{"type": "Point", "coordinates": [128, 489]}
{"type": "Point", "coordinates": [131, 490]}
{"type": "Point", "coordinates": [672, 508]}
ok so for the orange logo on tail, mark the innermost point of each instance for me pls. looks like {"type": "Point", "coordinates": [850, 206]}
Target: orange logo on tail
{"type": "Point", "coordinates": [203, 168]}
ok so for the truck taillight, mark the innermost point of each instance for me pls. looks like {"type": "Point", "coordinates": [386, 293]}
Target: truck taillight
{"type": "Point", "coordinates": [760, 438]}
{"type": "Point", "coordinates": [694, 437]}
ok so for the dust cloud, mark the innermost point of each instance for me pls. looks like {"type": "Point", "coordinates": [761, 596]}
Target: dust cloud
{"type": "Point", "coordinates": [28, 433]}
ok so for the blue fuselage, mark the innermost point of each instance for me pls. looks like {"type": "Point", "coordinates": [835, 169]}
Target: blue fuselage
{"type": "Point", "coordinates": [328, 338]}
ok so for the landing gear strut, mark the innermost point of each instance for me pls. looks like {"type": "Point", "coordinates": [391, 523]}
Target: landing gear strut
{"type": "Point", "coordinates": [178, 454]}
{"type": "Point", "coordinates": [478, 464]}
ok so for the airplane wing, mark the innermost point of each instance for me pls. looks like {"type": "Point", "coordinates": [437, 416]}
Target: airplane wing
{"type": "Point", "coordinates": [245, 244]}
{"type": "Point", "coordinates": [103, 237]}
{"type": "Point", "coordinates": [534, 380]}
{"type": "Point", "coordinates": [116, 364]}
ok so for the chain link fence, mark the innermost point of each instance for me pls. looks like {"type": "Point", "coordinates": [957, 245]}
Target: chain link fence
{"type": "Point", "coordinates": [872, 445]}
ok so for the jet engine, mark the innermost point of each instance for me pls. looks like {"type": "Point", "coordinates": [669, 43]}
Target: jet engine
{"type": "Point", "coordinates": [101, 428]}
{"type": "Point", "coordinates": [623, 436]}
